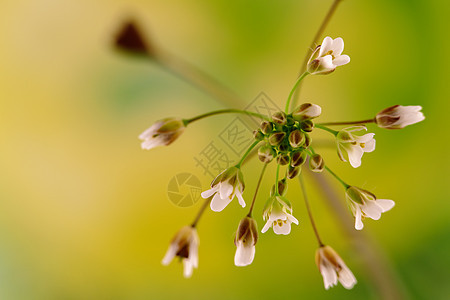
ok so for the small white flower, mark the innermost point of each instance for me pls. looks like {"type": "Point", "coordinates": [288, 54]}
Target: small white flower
{"type": "Point", "coordinates": [306, 111]}
{"type": "Point", "coordinates": [327, 56]}
{"type": "Point", "coordinates": [184, 245]}
{"type": "Point", "coordinates": [354, 145]}
{"type": "Point", "coordinates": [363, 204]}
{"type": "Point", "coordinates": [398, 116]}
{"type": "Point", "coordinates": [162, 133]}
{"type": "Point", "coordinates": [245, 241]}
{"type": "Point", "coordinates": [224, 187]}
{"type": "Point", "coordinates": [333, 268]}
{"type": "Point", "coordinates": [278, 215]}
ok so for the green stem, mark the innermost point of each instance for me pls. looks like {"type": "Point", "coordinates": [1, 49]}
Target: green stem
{"type": "Point", "coordinates": [337, 177]}
{"type": "Point", "coordinates": [288, 102]}
{"type": "Point", "coordinates": [308, 208]}
{"type": "Point", "coordinates": [201, 211]}
{"type": "Point", "coordinates": [247, 153]}
{"type": "Point", "coordinates": [334, 132]}
{"type": "Point", "coordinates": [257, 189]}
{"type": "Point", "coordinates": [224, 111]}
{"type": "Point", "coordinates": [349, 123]}
{"type": "Point", "coordinates": [276, 180]}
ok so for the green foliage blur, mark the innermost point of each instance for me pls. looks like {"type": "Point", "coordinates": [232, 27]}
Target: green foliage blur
{"type": "Point", "coordinates": [84, 212]}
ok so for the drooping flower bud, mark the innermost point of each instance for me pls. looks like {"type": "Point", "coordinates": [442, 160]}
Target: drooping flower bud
{"type": "Point", "coordinates": [316, 163]}
{"type": "Point", "coordinates": [298, 158]}
{"type": "Point", "coordinates": [266, 127]}
{"type": "Point", "coordinates": [162, 133]}
{"type": "Point", "coordinates": [293, 172]}
{"type": "Point", "coordinates": [307, 125]}
{"type": "Point", "coordinates": [333, 268]}
{"type": "Point", "coordinates": [279, 118]}
{"type": "Point", "coordinates": [398, 116]}
{"type": "Point", "coordinates": [245, 241]}
{"type": "Point", "coordinates": [276, 138]}
{"type": "Point", "coordinates": [296, 138]}
{"type": "Point", "coordinates": [266, 153]}
{"type": "Point", "coordinates": [306, 111]}
{"type": "Point", "coordinates": [184, 245]}
{"type": "Point", "coordinates": [283, 159]}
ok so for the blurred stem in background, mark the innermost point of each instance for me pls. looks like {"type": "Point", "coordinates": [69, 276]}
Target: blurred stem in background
{"type": "Point", "coordinates": [385, 281]}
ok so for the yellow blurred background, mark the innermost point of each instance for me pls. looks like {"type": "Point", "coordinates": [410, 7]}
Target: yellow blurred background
{"type": "Point", "coordinates": [84, 212]}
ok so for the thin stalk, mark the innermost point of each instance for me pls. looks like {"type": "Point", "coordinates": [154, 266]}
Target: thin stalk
{"type": "Point", "coordinates": [201, 211]}
{"type": "Point", "coordinates": [308, 208]}
{"type": "Point", "coordinates": [315, 40]}
{"type": "Point", "coordinates": [337, 177]}
{"type": "Point", "coordinates": [334, 132]}
{"type": "Point", "coordinates": [256, 191]}
{"type": "Point", "coordinates": [348, 123]}
{"type": "Point", "coordinates": [247, 153]}
{"type": "Point", "coordinates": [224, 111]}
{"type": "Point", "coordinates": [276, 180]}
{"type": "Point", "coordinates": [288, 101]}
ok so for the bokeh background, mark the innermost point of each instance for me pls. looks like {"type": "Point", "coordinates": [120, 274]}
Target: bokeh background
{"type": "Point", "coordinates": [84, 212]}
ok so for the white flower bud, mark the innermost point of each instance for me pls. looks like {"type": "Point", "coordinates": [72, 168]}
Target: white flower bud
{"type": "Point", "coordinates": [162, 133]}
{"type": "Point", "coordinates": [245, 241]}
{"type": "Point", "coordinates": [398, 116]}
{"type": "Point", "coordinates": [306, 111]}
{"type": "Point", "coordinates": [333, 268]}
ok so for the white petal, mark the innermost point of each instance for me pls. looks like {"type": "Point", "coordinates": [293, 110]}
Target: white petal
{"type": "Point", "coordinates": [292, 219]}
{"type": "Point", "coordinates": [285, 228]}
{"type": "Point", "coordinates": [208, 193]}
{"type": "Point", "coordinates": [240, 198]}
{"type": "Point", "coordinates": [355, 154]}
{"type": "Point", "coordinates": [326, 46]}
{"type": "Point", "coordinates": [372, 210]}
{"type": "Point", "coordinates": [338, 46]}
{"type": "Point", "coordinates": [385, 204]}
{"type": "Point", "coordinates": [329, 275]}
{"type": "Point", "coordinates": [225, 190]}
{"type": "Point", "coordinates": [244, 255]}
{"type": "Point", "coordinates": [358, 222]}
{"type": "Point", "coordinates": [152, 143]}
{"type": "Point", "coordinates": [341, 60]}
{"type": "Point", "coordinates": [148, 133]}
{"type": "Point", "coordinates": [170, 254]}
{"type": "Point", "coordinates": [218, 204]}
{"type": "Point", "coordinates": [326, 63]}
{"type": "Point", "coordinates": [369, 146]}
{"type": "Point", "coordinates": [346, 277]}
{"type": "Point", "coordinates": [267, 226]}
{"type": "Point", "coordinates": [188, 267]}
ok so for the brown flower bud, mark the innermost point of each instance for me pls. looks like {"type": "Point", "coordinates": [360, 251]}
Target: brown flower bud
{"type": "Point", "coordinates": [316, 163]}
{"type": "Point", "coordinates": [283, 159]}
{"type": "Point", "coordinates": [293, 172]}
{"type": "Point", "coordinates": [282, 188]}
{"type": "Point", "coordinates": [298, 158]}
{"type": "Point", "coordinates": [279, 118]}
{"type": "Point", "coordinates": [296, 138]}
{"type": "Point", "coordinates": [266, 153]}
{"type": "Point", "coordinates": [266, 127]}
{"type": "Point", "coordinates": [307, 125]}
{"type": "Point", "coordinates": [308, 140]}
{"type": "Point", "coordinates": [306, 111]}
{"type": "Point", "coordinates": [276, 138]}
{"type": "Point", "coordinates": [258, 135]}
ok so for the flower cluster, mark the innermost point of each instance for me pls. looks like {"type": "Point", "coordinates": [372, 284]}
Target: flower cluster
{"type": "Point", "coordinates": [285, 139]}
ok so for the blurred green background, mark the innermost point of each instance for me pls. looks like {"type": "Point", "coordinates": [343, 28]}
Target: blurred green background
{"type": "Point", "coordinates": [84, 212]}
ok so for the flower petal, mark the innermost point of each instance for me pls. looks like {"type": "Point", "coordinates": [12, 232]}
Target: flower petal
{"type": "Point", "coordinates": [267, 226]}
{"type": "Point", "coordinates": [337, 47]}
{"type": "Point", "coordinates": [341, 60]}
{"type": "Point", "coordinates": [358, 222]}
{"type": "Point", "coordinates": [372, 210]}
{"type": "Point", "coordinates": [208, 193]}
{"type": "Point", "coordinates": [240, 198]}
{"type": "Point", "coordinates": [284, 229]}
{"type": "Point", "coordinates": [385, 204]}
{"type": "Point", "coordinates": [244, 255]}
{"type": "Point", "coordinates": [326, 46]}
{"type": "Point", "coordinates": [218, 204]}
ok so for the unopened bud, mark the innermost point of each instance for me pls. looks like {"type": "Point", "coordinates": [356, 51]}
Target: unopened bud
{"type": "Point", "coordinates": [283, 159]}
{"type": "Point", "coordinates": [298, 158]}
{"type": "Point", "coordinates": [316, 163]}
{"type": "Point", "coordinates": [296, 138]}
{"type": "Point", "coordinates": [306, 111]}
{"type": "Point", "coordinates": [308, 140]}
{"type": "Point", "coordinates": [293, 172]}
{"type": "Point", "coordinates": [282, 188]}
{"type": "Point", "coordinates": [276, 138]}
{"type": "Point", "coordinates": [258, 135]}
{"type": "Point", "coordinates": [307, 125]}
{"type": "Point", "coordinates": [266, 127]}
{"type": "Point", "coordinates": [266, 153]}
{"type": "Point", "coordinates": [279, 118]}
